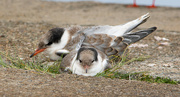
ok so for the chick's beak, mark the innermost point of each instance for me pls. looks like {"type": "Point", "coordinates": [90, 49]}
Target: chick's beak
{"type": "Point", "coordinates": [37, 51]}
{"type": "Point", "coordinates": [86, 67]}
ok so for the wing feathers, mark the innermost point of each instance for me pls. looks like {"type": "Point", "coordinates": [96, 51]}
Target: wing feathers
{"type": "Point", "coordinates": [112, 45]}
{"type": "Point", "coordinates": [118, 30]}
{"type": "Point", "coordinates": [136, 36]}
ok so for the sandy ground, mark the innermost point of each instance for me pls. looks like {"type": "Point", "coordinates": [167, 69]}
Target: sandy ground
{"type": "Point", "coordinates": [22, 22]}
{"type": "Point", "coordinates": [36, 84]}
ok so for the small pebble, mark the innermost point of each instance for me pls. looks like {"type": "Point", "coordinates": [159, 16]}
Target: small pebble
{"type": "Point", "coordinates": [151, 65]}
{"type": "Point", "coordinates": [164, 44]}
{"type": "Point", "coordinates": [168, 65]}
{"type": "Point", "coordinates": [139, 45]}
{"type": "Point", "coordinates": [160, 47]}
{"type": "Point", "coordinates": [159, 38]}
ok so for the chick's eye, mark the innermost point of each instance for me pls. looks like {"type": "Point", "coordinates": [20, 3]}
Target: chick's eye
{"type": "Point", "coordinates": [80, 61]}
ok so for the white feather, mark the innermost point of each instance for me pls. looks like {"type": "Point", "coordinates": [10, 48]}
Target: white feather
{"type": "Point", "coordinates": [58, 47]}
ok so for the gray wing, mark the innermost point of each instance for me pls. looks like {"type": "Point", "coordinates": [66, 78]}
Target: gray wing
{"type": "Point", "coordinates": [78, 46]}
{"type": "Point", "coordinates": [66, 61]}
{"type": "Point", "coordinates": [110, 31]}
{"type": "Point", "coordinates": [75, 43]}
{"type": "Point", "coordinates": [136, 36]}
{"type": "Point", "coordinates": [118, 30]}
{"type": "Point", "coordinates": [112, 45]}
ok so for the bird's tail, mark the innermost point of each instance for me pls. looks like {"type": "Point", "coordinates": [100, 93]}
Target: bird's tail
{"type": "Point", "coordinates": [120, 46]}
{"type": "Point", "coordinates": [136, 36]}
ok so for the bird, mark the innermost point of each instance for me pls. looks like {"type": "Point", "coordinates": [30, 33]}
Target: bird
{"type": "Point", "coordinates": [58, 42]}
{"type": "Point", "coordinates": [88, 60]}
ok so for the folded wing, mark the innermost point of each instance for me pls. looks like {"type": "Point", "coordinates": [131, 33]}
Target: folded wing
{"type": "Point", "coordinates": [112, 45]}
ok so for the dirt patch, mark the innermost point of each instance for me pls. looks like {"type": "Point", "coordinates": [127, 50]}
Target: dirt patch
{"type": "Point", "coordinates": [30, 83]}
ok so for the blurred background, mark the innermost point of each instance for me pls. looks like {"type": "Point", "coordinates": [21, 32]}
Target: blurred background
{"type": "Point", "coordinates": [165, 15]}
{"type": "Point", "coordinates": [167, 3]}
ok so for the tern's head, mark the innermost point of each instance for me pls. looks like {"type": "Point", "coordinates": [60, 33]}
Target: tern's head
{"type": "Point", "coordinates": [87, 57]}
{"type": "Point", "coordinates": [52, 41]}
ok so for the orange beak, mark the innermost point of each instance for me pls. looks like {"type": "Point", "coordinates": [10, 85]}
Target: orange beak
{"type": "Point", "coordinates": [37, 51]}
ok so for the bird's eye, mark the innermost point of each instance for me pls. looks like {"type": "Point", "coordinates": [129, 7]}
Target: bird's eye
{"type": "Point", "coordinates": [49, 43]}
{"type": "Point", "coordinates": [80, 61]}
{"type": "Point", "coordinates": [92, 61]}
